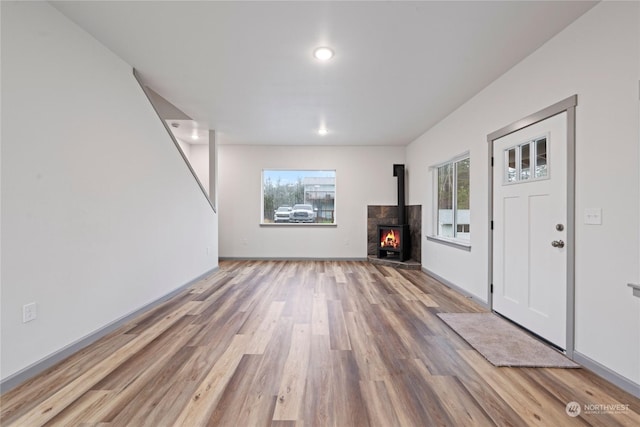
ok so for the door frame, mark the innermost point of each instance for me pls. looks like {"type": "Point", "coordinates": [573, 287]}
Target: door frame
{"type": "Point", "coordinates": [567, 105]}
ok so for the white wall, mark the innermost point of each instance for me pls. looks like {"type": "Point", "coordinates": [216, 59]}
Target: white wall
{"type": "Point", "coordinates": [186, 148]}
{"type": "Point", "coordinates": [364, 176]}
{"type": "Point", "coordinates": [100, 215]}
{"type": "Point", "coordinates": [199, 159]}
{"type": "Point", "coordinates": [597, 58]}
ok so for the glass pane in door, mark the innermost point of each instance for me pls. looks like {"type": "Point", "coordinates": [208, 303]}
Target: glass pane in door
{"type": "Point", "coordinates": [525, 161]}
{"type": "Point", "coordinates": [541, 158]}
{"type": "Point", "coordinates": [510, 158]}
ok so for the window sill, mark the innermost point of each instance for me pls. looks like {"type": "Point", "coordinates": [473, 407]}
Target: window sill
{"type": "Point", "coordinates": [465, 246]}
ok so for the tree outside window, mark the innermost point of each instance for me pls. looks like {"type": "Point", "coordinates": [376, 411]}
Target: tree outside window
{"type": "Point", "coordinates": [453, 213]}
{"type": "Point", "coordinates": [298, 196]}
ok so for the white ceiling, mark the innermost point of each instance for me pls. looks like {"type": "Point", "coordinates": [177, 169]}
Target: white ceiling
{"type": "Point", "coordinates": [188, 131]}
{"type": "Point", "coordinates": [246, 68]}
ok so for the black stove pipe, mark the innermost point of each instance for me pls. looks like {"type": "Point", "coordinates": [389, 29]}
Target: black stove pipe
{"type": "Point", "coordinates": [398, 171]}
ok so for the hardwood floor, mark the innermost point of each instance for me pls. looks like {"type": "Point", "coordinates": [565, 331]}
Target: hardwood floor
{"type": "Point", "coordinates": [277, 343]}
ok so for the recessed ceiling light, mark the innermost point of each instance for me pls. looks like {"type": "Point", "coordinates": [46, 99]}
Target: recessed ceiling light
{"type": "Point", "coordinates": [194, 135]}
{"type": "Point", "coordinates": [323, 131]}
{"type": "Point", "coordinates": [323, 53]}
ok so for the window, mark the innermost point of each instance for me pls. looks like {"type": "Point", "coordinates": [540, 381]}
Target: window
{"type": "Point", "coordinates": [298, 196]}
{"type": "Point", "coordinates": [452, 210]}
{"type": "Point", "coordinates": [526, 162]}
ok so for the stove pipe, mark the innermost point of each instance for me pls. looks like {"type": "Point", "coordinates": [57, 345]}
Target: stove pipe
{"type": "Point", "coordinates": [398, 171]}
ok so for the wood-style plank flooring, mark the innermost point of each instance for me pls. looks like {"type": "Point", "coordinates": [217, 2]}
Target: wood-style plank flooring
{"type": "Point", "coordinates": [293, 343]}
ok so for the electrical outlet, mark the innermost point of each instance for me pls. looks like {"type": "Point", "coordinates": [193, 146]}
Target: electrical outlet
{"type": "Point", "coordinates": [29, 312]}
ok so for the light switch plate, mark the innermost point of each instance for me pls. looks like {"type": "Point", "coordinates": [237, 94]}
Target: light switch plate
{"type": "Point", "coordinates": [593, 216]}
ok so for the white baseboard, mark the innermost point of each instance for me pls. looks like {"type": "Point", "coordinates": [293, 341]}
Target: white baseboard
{"type": "Point", "coordinates": [597, 368]}
{"type": "Point", "coordinates": [43, 364]}
{"type": "Point", "coordinates": [456, 288]}
{"type": "Point", "coordinates": [233, 258]}
{"type": "Point", "coordinates": [606, 373]}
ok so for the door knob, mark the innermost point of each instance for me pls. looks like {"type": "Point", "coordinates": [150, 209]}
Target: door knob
{"type": "Point", "coordinates": [557, 244]}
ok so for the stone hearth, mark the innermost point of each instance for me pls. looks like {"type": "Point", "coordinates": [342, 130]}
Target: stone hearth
{"type": "Point", "coordinates": [403, 265]}
{"type": "Point", "coordinates": [378, 214]}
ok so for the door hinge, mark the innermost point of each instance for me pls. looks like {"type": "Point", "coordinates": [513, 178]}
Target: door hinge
{"type": "Point", "coordinates": [492, 162]}
{"type": "Point", "coordinates": [491, 288]}
{"type": "Point", "coordinates": [492, 224]}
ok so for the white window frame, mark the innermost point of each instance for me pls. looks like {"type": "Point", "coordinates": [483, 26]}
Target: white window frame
{"type": "Point", "coordinates": [294, 224]}
{"type": "Point", "coordinates": [464, 244]}
{"type": "Point", "coordinates": [533, 154]}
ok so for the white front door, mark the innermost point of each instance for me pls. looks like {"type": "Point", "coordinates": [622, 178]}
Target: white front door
{"type": "Point", "coordinates": [530, 219]}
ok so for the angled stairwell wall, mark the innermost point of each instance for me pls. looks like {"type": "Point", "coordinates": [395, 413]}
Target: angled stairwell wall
{"type": "Point", "coordinates": [100, 214]}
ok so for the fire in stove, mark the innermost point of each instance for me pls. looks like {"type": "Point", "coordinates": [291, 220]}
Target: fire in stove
{"type": "Point", "coordinates": [390, 240]}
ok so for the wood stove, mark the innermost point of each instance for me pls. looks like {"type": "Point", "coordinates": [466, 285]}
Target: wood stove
{"type": "Point", "coordinates": [394, 242]}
